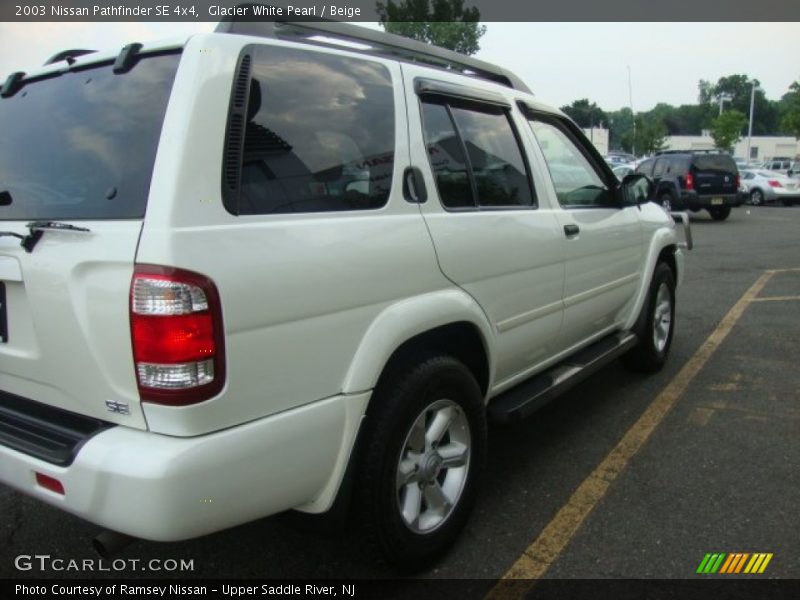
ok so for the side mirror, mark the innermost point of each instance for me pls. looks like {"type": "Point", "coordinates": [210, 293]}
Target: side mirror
{"type": "Point", "coordinates": [636, 188]}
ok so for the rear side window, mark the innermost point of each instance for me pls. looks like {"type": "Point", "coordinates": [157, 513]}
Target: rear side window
{"type": "Point", "coordinates": [318, 136]}
{"type": "Point", "coordinates": [646, 167]}
{"type": "Point", "coordinates": [475, 155]}
{"type": "Point", "coordinates": [715, 162]}
{"type": "Point", "coordinates": [82, 144]}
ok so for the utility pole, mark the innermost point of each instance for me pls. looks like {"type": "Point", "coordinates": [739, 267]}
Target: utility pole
{"type": "Point", "coordinates": [633, 115]}
{"type": "Point", "coordinates": [753, 89]}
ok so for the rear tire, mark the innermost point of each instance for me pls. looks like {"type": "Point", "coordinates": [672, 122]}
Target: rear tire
{"type": "Point", "coordinates": [666, 200]}
{"type": "Point", "coordinates": [422, 461]}
{"type": "Point", "coordinates": [757, 198]}
{"type": "Point", "coordinates": [719, 213]}
{"type": "Point", "coordinates": [655, 325]}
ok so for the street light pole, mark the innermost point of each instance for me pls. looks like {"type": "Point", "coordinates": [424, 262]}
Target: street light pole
{"type": "Point", "coordinates": [750, 126]}
{"type": "Point", "coordinates": [633, 115]}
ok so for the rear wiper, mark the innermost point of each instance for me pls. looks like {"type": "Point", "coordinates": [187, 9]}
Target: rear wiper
{"type": "Point", "coordinates": [37, 229]}
{"type": "Point", "coordinates": [42, 225]}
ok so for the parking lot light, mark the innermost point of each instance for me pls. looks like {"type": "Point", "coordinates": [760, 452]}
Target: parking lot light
{"type": "Point", "coordinates": [753, 89]}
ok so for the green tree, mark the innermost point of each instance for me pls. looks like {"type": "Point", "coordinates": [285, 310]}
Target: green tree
{"type": "Point", "coordinates": [726, 129]}
{"type": "Point", "coordinates": [650, 136]}
{"type": "Point", "coordinates": [739, 87]}
{"type": "Point", "coordinates": [444, 23]}
{"type": "Point", "coordinates": [790, 111]}
{"type": "Point", "coordinates": [586, 114]}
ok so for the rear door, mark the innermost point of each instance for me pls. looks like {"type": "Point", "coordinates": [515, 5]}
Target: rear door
{"type": "Point", "coordinates": [77, 148]}
{"type": "Point", "coordinates": [714, 174]}
{"type": "Point", "coordinates": [492, 238]}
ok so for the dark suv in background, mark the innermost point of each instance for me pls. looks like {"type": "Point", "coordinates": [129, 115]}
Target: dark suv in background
{"type": "Point", "coordinates": [694, 180]}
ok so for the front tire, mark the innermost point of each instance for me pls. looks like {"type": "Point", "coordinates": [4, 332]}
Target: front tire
{"type": "Point", "coordinates": [423, 461]}
{"type": "Point", "coordinates": [655, 325]}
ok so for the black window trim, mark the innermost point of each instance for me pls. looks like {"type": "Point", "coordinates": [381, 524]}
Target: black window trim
{"type": "Point", "coordinates": [585, 147]}
{"type": "Point", "coordinates": [433, 87]}
{"type": "Point", "coordinates": [446, 100]}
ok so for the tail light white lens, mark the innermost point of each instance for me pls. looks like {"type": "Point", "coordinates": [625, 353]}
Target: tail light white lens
{"type": "Point", "coordinates": [176, 330]}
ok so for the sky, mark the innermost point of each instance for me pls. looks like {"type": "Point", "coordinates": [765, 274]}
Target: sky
{"type": "Point", "coordinates": [560, 62]}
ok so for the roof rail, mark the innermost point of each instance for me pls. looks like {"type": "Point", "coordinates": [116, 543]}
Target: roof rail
{"type": "Point", "coordinates": [379, 43]}
{"type": "Point", "coordinates": [691, 151]}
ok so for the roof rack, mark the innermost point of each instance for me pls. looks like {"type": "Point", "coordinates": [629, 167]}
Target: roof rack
{"type": "Point", "coordinates": [695, 151]}
{"type": "Point", "coordinates": [378, 43]}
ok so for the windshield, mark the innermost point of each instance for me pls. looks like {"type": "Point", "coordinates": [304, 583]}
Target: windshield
{"type": "Point", "coordinates": [82, 145]}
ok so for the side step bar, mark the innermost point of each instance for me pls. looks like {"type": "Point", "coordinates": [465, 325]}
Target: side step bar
{"type": "Point", "coordinates": [529, 396]}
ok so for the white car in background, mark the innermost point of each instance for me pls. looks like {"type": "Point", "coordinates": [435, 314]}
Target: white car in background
{"type": "Point", "coordinates": [765, 186]}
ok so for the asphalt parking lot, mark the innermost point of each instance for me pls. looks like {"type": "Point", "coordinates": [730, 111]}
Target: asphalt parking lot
{"type": "Point", "coordinates": [716, 470]}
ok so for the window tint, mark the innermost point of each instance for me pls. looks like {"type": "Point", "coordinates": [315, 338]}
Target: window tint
{"type": "Point", "coordinates": [715, 162]}
{"type": "Point", "coordinates": [446, 155]}
{"type": "Point", "coordinates": [658, 168]}
{"type": "Point", "coordinates": [575, 180]}
{"type": "Point", "coordinates": [646, 167]}
{"type": "Point", "coordinates": [494, 155]}
{"type": "Point", "coordinates": [475, 156]}
{"type": "Point", "coordinates": [319, 135]}
{"type": "Point", "coordinates": [82, 145]}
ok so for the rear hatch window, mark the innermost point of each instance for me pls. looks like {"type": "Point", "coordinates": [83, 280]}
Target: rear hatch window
{"type": "Point", "coordinates": [715, 174]}
{"type": "Point", "coordinates": [81, 145]}
{"type": "Point", "coordinates": [715, 162]}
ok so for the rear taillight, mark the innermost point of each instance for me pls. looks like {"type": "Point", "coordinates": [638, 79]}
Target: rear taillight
{"type": "Point", "coordinates": [738, 181]}
{"type": "Point", "coordinates": [176, 330]}
{"type": "Point", "coordinates": [773, 183]}
{"type": "Point", "coordinates": [50, 483]}
{"type": "Point", "coordinates": [688, 181]}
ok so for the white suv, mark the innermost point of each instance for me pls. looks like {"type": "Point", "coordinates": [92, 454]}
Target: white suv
{"type": "Point", "coordinates": [254, 271]}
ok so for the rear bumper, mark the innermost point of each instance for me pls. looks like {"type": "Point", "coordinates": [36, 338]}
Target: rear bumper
{"type": "Point", "coordinates": [166, 488]}
{"type": "Point", "coordinates": [694, 201]}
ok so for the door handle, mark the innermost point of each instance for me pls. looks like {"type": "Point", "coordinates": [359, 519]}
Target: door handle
{"type": "Point", "coordinates": [571, 230]}
{"type": "Point", "coordinates": [414, 186]}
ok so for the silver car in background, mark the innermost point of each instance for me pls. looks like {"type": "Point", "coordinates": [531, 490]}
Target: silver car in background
{"type": "Point", "coordinates": [765, 186]}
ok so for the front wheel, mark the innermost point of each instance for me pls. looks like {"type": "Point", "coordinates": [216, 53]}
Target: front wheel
{"type": "Point", "coordinates": [719, 213]}
{"type": "Point", "coordinates": [423, 461]}
{"type": "Point", "coordinates": [655, 325]}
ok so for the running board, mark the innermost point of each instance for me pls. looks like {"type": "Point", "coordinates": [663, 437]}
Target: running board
{"type": "Point", "coordinates": [529, 396]}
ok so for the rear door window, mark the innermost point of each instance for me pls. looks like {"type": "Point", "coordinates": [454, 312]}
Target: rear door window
{"type": "Point", "coordinates": [475, 155]}
{"type": "Point", "coordinates": [319, 135]}
{"type": "Point", "coordinates": [82, 144]}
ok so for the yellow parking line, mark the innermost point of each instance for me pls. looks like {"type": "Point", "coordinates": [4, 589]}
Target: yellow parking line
{"type": "Point", "coordinates": [540, 555]}
{"type": "Point", "coordinates": [776, 298]}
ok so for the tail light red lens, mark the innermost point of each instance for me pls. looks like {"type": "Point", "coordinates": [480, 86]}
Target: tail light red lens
{"type": "Point", "coordinates": [773, 183]}
{"type": "Point", "coordinates": [688, 181]}
{"type": "Point", "coordinates": [50, 483]}
{"type": "Point", "coordinates": [177, 335]}
{"type": "Point", "coordinates": [738, 181]}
